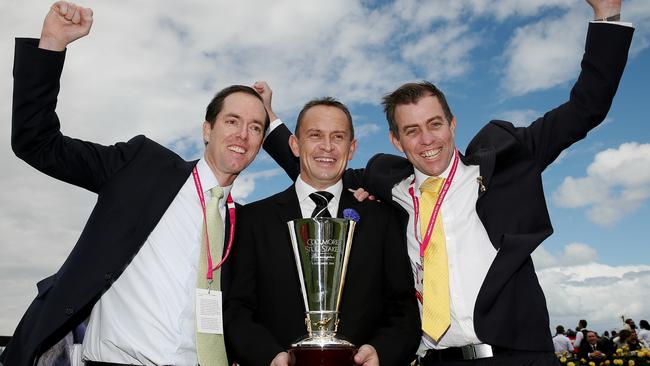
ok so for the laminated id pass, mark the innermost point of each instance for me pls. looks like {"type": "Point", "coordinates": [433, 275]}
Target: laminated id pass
{"type": "Point", "coordinates": [209, 317]}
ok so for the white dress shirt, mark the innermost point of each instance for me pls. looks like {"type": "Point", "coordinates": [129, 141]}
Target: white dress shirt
{"type": "Point", "coordinates": [307, 205]}
{"type": "Point", "coordinates": [147, 316]}
{"type": "Point", "coordinates": [469, 250]}
{"type": "Point", "coordinates": [562, 344]}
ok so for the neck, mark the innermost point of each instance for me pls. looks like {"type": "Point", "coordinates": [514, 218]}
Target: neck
{"type": "Point", "coordinates": [319, 186]}
{"type": "Point", "coordinates": [224, 179]}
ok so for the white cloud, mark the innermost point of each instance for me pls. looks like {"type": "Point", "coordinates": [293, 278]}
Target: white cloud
{"type": "Point", "coordinates": [573, 254]}
{"type": "Point", "coordinates": [545, 54]}
{"type": "Point", "coordinates": [617, 184]}
{"type": "Point", "coordinates": [577, 287]}
{"type": "Point", "coordinates": [443, 54]}
{"type": "Point", "coordinates": [519, 117]}
{"type": "Point", "coordinates": [366, 129]}
{"type": "Point", "coordinates": [245, 184]}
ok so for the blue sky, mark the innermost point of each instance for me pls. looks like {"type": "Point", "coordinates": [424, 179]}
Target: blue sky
{"type": "Point", "coordinates": [148, 68]}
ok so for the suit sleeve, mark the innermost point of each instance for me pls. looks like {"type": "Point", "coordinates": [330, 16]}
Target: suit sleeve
{"type": "Point", "coordinates": [397, 338]}
{"type": "Point", "coordinates": [36, 137]}
{"type": "Point", "coordinates": [602, 66]}
{"type": "Point", "coordinates": [251, 343]}
{"type": "Point", "coordinates": [277, 146]}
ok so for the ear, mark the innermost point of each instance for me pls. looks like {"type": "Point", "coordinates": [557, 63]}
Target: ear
{"type": "Point", "coordinates": [353, 148]}
{"type": "Point", "coordinates": [395, 141]}
{"type": "Point", "coordinates": [207, 129]}
{"type": "Point", "coordinates": [452, 126]}
{"type": "Point", "coordinates": [295, 147]}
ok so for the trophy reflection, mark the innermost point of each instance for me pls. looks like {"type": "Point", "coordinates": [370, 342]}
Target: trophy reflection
{"type": "Point", "coordinates": [321, 247]}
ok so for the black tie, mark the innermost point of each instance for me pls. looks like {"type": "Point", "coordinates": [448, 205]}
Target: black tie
{"type": "Point", "coordinates": [321, 198]}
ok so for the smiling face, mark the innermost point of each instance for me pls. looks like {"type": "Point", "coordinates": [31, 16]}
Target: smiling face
{"type": "Point", "coordinates": [234, 139]}
{"type": "Point", "coordinates": [324, 145]}
{"type": "Point", "coordinates": [424, 135]}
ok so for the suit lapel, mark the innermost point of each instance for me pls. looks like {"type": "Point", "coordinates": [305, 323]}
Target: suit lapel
{"type": "Point", "coordinates": [288, 205]}
{"type": "Point", "coordinates": [485, 158]}
{"type": "Point", "coordinates": [347, 200]}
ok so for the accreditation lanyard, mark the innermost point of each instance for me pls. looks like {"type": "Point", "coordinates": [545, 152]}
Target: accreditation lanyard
{"type": "Point", "coordinates": [436, 209]}
{"type": "Point", "coordinates": [231, 215]}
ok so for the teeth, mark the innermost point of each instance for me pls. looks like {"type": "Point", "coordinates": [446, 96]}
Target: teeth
{"type": "Point", "coordinates": [431, 153]}
{"type": "Point", "coordinates": [236, 149]}
{"type": "Point", "coordinates": [325, 160]}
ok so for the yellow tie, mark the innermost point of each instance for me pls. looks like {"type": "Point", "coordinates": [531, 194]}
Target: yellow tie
{"type": "Point", "coordinates": [436, 316]}
{"type": "Point", "coordinates": [210, 348]}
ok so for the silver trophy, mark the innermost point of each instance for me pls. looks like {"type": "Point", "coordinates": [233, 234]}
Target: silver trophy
{"type": "Point", "coordinates": [322, 248]}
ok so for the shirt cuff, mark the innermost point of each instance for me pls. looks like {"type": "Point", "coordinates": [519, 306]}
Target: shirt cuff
{"type": "Point", "coordinates": [272, 126]}
{"type": "Point", "coordinates": [624, 24]}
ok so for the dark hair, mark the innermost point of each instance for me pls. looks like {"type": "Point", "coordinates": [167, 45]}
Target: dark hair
{"type": "Point", "coordinates": [216, 104]}
{"type": "Point", "coordinates": [582, 323]}
{"type": "Point", "coordinates": [329, 102]}
{"type": "Point", "coordinates": [411, 93]}
{"type": "Point", "coordinates": [623, 335]}
{"type": "Point", "coordinates": [643, 324]}
{"type": "Point", "coordinates": [559, 329]}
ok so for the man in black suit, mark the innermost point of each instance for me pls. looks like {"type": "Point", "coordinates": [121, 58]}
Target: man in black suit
{"type": "Point", "coordinates": [135, 270]}
{"type": "Point", "coordinates": [494, 213]}
{"type": "Point", "coordinates": [264, 311]}
{"type": "Point", "coordinates": [593, 349]}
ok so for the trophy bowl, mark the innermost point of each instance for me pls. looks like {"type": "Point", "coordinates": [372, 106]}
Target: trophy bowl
{"type": "Point", "coordinates": [321, 247]}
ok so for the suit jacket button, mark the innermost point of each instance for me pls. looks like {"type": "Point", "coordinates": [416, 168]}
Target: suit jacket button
{"type": "Point", "coordinates": [108, 276]}
{"type": "Point", "coordinates": [69, 311]}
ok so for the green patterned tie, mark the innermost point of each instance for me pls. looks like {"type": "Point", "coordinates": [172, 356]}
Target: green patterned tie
{"type": "Point", "coordinates": [210, 348]}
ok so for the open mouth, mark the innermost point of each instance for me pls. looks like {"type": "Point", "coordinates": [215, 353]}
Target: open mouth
{"type": "Point", "coordinates": [237, 149]}
{"type": "Point", "coordinates": [431, 154]}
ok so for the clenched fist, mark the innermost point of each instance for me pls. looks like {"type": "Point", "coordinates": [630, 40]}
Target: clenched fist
{"type": "Point", "coordinates": [65, 23]}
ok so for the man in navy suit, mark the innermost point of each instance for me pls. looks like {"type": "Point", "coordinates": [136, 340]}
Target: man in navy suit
{"type": "Point", "coordinates": [264, 311]}
{"type": "Point", "coordinates": [134, 269]}
{"type": "Point", "coordinates": [494, 213]}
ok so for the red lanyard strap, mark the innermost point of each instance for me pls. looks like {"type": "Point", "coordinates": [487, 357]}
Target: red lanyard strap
{"type": "Point", "coordinates": [231, 215]}
{"type": "Point", "coordinates": [436, 209]}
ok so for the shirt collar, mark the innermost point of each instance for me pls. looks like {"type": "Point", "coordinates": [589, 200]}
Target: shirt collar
{"type": "Point", "coordinates": [209, 181]}
{"type": "Point", "coordinates": [303, 190]}
{"type": "Point", "coordinates": [420, 177]}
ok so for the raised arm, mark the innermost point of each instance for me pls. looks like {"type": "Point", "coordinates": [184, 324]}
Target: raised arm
{"type": "Point", "coordinates": [603, 62]}
{"type": "Point", "coordinates": [35, 136]}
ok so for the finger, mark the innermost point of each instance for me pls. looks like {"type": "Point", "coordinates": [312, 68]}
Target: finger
{"type": "Point", "coordinates": [76, 17]}
{"type": "Point", "coordinates": [86, 15]}
{"type": "Point", "coordinates": [362, 355]}
{"type": "Point", "coordinates": [372, 198]}
{"type": "Point", "coordinates": [72, 8]}
{"type": "Point", "coordinates": [60, 8]}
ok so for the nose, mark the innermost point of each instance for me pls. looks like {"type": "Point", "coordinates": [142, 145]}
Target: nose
{"type": "Point", "coordinates": [327, 144]}
{"type": "Point", "coordinates": [427, 137]}
{"type": "Point", "coordinates": [243, 131]}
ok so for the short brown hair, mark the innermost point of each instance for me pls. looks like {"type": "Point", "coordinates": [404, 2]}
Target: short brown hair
{"type": "Point", "coordinates": [410, 93]}
{"type": "Point", "coordinates": [216, 104]}
{"type": "Point", "coordinates": [329, 102]}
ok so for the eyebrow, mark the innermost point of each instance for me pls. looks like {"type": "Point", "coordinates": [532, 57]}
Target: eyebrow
{"type": "Point", "coordinates": [434, 118]}
{"type": "Point", "coordinates": [232, 114]}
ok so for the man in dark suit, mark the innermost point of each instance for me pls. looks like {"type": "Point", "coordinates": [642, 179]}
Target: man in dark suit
{"type": "Point", "coordinates": [264, 311]}
{"type": "Point", "coordinates": [136, 268]}
{"type": "Point", "coordinates": [594, 349]}
{"type": "Point", "coordinates": [492, 308]}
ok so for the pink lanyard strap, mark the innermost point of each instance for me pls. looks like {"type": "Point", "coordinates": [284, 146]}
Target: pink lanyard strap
{"type": "Point", "coordinates": [436, 209]}
{"type": "Point", "coordinates": [231, 215]}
